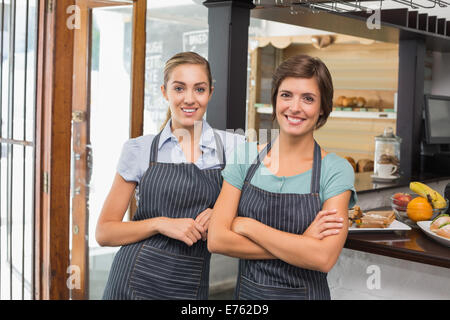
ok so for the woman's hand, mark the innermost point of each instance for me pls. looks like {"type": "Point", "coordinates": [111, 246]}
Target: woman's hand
{"type": "Point", "coordinates": [184, 229]}
{"type": "Point", "coordinates": [203, 220]}
{"type": "Point", "coordinates": [327, 223]}
{"type": "Point", "coordinates": [240, 225]}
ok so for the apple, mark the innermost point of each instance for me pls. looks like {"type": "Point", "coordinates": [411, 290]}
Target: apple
{"type": "Point", "coordinates": [401, 199]}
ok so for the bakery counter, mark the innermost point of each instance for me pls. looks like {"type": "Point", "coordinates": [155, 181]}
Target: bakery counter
{"type": "Point", "coordinates": [394, 264]}
{"type": "Point", "coordinates": [404, 265]}
{"type": "Point", "coordinates": [412, 245]}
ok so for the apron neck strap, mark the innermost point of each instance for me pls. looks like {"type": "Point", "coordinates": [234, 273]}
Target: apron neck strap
{"type": "Point", "coordinates": [317, 164]}
{"type": "Point", "coordinates": [154, 149]}
{"type": "Point", "coordinates": [219, 146]}
{"type": "Point", "coordinates": [315, 175]}
{"type": "Point", "coordinates": [254, 166]}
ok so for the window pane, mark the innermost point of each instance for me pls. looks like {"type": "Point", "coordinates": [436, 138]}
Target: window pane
{"type": "Point", "coordinates": [17, 108]}
{"type": "Point", "coordinates": [109, 124]}
{"type": "Point", "coordinates": [172, 27]}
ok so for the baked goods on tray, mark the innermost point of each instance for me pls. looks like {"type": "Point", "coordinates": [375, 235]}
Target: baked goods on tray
{"type": "Point", "coordinates": [370, 219]}
{"type": "Point", "coordinates": [376, 219]}
{"type": "Point", "coordinates": [354, 214]}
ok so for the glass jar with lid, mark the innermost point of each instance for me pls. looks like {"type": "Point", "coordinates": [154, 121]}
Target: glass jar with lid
{"type": "Point", "coordinates": [387, 154]}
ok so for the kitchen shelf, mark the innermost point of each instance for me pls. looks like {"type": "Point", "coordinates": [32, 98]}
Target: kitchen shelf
{"type": "Point", "coordinates": [363, 115]}
{"type": "Point", "coordinates": [346, 114]}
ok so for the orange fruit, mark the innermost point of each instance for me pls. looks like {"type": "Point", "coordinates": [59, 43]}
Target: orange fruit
{"type": "Point", "coordinates": [419, 209]}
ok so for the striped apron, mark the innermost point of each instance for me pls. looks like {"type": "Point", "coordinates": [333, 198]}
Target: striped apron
{"type": "Point", "coordinates": [161, 267]}
{"type": "Point", "coordinates": [275, 279]}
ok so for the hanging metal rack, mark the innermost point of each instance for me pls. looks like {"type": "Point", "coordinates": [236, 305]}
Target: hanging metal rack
{"type": "Point", "coordinates": [301, 6]}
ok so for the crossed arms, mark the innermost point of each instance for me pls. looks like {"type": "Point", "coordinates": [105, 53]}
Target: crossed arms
{"type": "Point", "coordinates": [318, 248]}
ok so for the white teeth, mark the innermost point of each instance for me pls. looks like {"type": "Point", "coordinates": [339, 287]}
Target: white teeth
{"type": "Point", "coordinates": [295, 120]}
{"type": "Point", "coordinates": [188, 110]}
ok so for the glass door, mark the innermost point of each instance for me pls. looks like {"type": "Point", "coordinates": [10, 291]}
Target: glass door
{"type": "Point", "coordinates": [103, 118]}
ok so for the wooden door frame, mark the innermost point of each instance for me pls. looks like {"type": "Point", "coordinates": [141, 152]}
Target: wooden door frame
{"type": "Point", "coordinates": [53, 134]}
{"type": "Point", "coordinates": [54, 106]}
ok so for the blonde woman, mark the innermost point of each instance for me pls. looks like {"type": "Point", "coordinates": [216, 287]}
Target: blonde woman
{"type": "Point", "coordinates": [177, 177]}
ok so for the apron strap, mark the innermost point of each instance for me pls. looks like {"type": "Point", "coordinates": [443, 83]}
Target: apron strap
{"type": "Point", "coordinates": [254, 166]}
{"type": "Point", "coordinates": [316, 169]}
{"type": "Point", "coordinates": [154, 149]}
{"type": "Point", "coordinates": [219, 145]}
{"type": "Point", "coordinates": [317, 164]}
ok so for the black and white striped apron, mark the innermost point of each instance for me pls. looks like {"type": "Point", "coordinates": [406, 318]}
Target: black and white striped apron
{"type": "Point", "coordinates": [161, 267]}
{"type": "Point", "coordinates": [275, 279]}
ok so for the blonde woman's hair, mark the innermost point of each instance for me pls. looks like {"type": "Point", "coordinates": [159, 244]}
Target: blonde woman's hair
{"type": "Point", "coordinates": [180, 59]}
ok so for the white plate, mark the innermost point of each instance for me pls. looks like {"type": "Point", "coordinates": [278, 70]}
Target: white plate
{"type": "Point", "coordinates": [384, 179]}
{"type": "Point", "coordinates": [425, 226]}
{"type": "Point", "coordinates": [394, 226]}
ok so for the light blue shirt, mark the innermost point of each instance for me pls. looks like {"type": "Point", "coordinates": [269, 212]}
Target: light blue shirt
{"type": "Point", "coordinates": [336, 175]}
{"type": "Point", "coordinates": [135, 156]}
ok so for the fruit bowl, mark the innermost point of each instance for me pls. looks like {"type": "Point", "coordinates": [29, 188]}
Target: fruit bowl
{"type": "Point", "coordinates": [400, 205]}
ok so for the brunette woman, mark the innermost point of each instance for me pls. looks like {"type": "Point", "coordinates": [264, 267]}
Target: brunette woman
{"type": "Point", "coordinates": [285, 214]}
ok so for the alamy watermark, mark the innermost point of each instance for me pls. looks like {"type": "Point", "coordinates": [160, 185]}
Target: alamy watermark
{"type": "Point", "coordinates": [74, 279]}
{"type": "Point", "coordinates": [374, 20]}
{"type": "Point", "coordinates": [74, 19]}
{"type": "Point", "coordinates": [374, 280]}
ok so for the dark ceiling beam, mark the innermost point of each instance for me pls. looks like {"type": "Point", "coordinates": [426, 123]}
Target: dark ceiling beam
{"type": "Point", "coordinates": [227, 53]}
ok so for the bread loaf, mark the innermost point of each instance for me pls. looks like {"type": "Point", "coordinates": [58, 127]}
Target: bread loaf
{"type": "Point", "coordinates": [364, 165]}
{"type": "Point", "coordinates": [339, 101]}
{"type": "Point", "coordinates": [360, 102]}
{"type": "Point", "coordinates": [347, 102]}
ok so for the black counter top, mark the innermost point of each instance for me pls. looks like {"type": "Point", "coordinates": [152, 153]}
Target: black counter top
{"type": "Point", "coordinates": [364, 183]}
{"type": "Point", "coordinates": [412, 245]}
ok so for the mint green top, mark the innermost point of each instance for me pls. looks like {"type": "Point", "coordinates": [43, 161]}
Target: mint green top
{"type": "Point", "coordinates": [337, 175]}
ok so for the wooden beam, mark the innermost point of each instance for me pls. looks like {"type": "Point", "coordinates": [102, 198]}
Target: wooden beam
{"type": "Point", "coordinates": [54, 106]}
{"type": "Point", "coordinates": [40, 72]}
{"type": "Point", "coordinates": [107, 3]}
{"type": "Point", "coordinates": [80, 140]}
{"type": "Point", "coordinates": [138, 80]}
{"type": "Point", "coordinates": [138, 68]}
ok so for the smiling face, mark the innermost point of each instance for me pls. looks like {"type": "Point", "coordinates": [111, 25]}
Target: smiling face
{"type": "Point", "coordinates": [298, 105]}
{"type": "Point", "coordinates": [188, 92]}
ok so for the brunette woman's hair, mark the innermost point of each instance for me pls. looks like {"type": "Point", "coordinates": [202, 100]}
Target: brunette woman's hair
{"type": "Point", "coordinates": [180, 59]}
{"type": "Point", "coordinates": [304, 66]}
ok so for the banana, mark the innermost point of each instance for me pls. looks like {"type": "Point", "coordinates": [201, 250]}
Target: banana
{"type": "Point", "coordinates": [434, 197]}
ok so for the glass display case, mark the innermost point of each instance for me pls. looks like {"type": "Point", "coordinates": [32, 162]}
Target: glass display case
{"type": "Point", "coordinates": [387, 155]}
